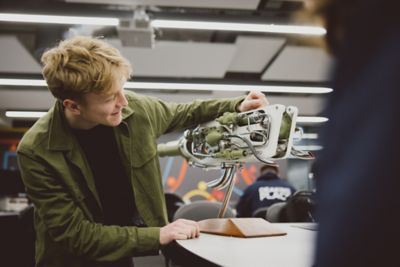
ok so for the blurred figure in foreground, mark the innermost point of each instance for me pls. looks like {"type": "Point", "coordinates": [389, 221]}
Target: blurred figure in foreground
{"type": "Point", "coordinates": [358, 168]}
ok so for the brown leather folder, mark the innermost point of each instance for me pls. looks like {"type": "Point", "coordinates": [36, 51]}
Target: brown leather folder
{"type": "Point", "coordinates": [240, 227]}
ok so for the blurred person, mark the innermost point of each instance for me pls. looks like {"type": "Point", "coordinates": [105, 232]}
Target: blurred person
{"type": "Point", "coordinates": [358, 169]}
{"type": "Point", "coordinates": [90, 164]}
{"type": "Point", "coordinates": [268, 189]}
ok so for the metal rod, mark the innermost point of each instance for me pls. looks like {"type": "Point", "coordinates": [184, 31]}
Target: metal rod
{"type": "Point", "coordinates": [228, 193]}
{"type": "Point", "coordinates": [227, 180]}
{"type": "Point", "coordinates": [221, 182]}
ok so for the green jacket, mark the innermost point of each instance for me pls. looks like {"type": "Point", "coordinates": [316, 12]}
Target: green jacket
{"type": "Point", "coordinates": [58, 180]}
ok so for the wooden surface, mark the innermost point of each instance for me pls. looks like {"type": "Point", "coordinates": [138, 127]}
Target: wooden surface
{"type": "Point", "coordinates": [240, 227]}
{"type": "Point", "coordinates": [294, 249]}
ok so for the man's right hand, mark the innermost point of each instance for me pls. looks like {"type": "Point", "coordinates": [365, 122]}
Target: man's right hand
{"type": "Point", "coordinates": [179, 229]}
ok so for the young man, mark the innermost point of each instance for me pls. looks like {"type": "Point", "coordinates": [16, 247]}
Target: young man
{"type": "Point", "coordinates": [90, 165]}
{"type": "Point", "coordinates": [267, 190]}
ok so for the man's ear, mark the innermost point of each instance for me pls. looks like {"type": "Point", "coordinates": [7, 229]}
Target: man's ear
{"type": "Point", "coordinates": [72, 106]}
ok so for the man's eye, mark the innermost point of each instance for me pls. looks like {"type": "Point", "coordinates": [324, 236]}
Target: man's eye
{"type": "Point", "coordinates": [111, 99]}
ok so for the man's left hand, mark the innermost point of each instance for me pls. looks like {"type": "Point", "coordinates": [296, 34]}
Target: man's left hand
{"type": "Point", "coordinates": [253, 100]}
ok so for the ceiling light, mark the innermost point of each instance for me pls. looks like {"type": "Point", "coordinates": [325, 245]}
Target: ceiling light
{"type": "Point", "coordinates": [11, 17]}
{"type": "Point", "coordinates": [192, 86]}
{"type": "Point", "coordinates": [310, 119]}
{"type": "Point", "coordinates": [309, 136]}
{"type": "Point", "coordinates": [309, 147]}
{"type": "Point", "coordinates": [25, 114]}
{"type": "Point", "coordinates": [38, 114]}
{"type": "Point", "coordinates": [23, 82]}
{"type": "Point", "coordinates": [228, 87]}
{"type": "Point", "coordinates": [244, 27]}
{"type": "Point", "coordinates": [162, 23]}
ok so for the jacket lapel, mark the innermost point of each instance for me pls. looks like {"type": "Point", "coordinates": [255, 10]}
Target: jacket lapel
{"type": "Point", "coordinates": [75, 156]}
{"type": "Point", "coordinates": [61, 138]}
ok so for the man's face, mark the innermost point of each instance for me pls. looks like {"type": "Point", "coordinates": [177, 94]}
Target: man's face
{"type": "Point", "coordinates": [104, 108]}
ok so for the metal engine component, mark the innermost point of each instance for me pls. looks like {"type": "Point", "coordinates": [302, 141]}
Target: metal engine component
{"type": "Point", "coordinates": [234, 138]}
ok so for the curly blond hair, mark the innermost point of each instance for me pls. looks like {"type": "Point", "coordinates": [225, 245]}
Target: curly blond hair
{"type": "Point", "coordinates": [81, 65]}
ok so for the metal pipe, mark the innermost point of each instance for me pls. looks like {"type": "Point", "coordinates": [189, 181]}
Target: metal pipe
{"type": "Point", "coordinates": [218, 183]}
{"type": "Point", "coordinates": [225, 182]}
{"type": "Point", "coordinates": [228, 193]}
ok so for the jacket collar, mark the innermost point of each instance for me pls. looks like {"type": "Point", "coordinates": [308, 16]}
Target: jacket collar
{"type": "Point", "coordinates": [126, 112]}
{"type": "Point", "coordinates": [60, 135]}
{"type": "Point", "coordinates": [59, 132]}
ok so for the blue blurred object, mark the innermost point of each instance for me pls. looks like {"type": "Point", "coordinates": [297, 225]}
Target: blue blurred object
{"type": "Point", "coordinates": [358, 169]}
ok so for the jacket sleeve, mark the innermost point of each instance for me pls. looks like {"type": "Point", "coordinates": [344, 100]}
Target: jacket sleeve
{"type": "Point", "coordinates": [66, 223]}
{"type": "Point", "coordinates": [172, 116]}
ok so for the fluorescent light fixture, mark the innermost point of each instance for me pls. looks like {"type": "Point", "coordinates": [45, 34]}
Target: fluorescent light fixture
{"type": "Point", "coordinates": [23, 82]}
{"type": "Point", "coordinates": [309, 147]}
{"type": "Point", "coordinates": [162, 23]}
{"type": "Point", "coordinates": [227, 87]}
{"type": "Point", "coordinates": [12, 17]}
{"type": "Point", "coordinates": [38, 114]}
{"type": "Point", "coordinates": [244, 27]}
{"type": "Point", "coordinates": [309, 136]}
{"type": "Point", "coordinates": [192, 86]}
{"type": "Point", "coordinates": [25, 114]}
{"type": "Point", "coordinates": [311, 119]}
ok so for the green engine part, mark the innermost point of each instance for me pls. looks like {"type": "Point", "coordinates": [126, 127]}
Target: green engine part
{"type": "Point", "coordinates": [233, 118]}
{"type": "Point", "coordinates": [285, 126]}
{"type": "Point", "coordinates": [213, 137]}
{"type": "Point", "coordinates": [231, 154]}
{"type": "Point", "coordinates": [229, 118]}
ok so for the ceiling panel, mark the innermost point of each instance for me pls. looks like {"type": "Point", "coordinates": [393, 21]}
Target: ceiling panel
{"type": "Point", "coordinates": [179, 59]}
{"type": "Point", "coordinates": [300, 64]}
{"type": "Point", "coordinates": [14, 58]}
{"type": "Point", "coordinates": [254, 53]}
{"type": "Point", "coordinates": [25, 99]}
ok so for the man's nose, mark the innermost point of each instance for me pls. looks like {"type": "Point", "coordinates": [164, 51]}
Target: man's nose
{"type": "Point", "coordinates": [122, 99]}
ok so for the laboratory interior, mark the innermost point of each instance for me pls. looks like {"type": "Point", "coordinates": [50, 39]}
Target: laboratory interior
{"type": "Point", "coordinates": [199, 133]}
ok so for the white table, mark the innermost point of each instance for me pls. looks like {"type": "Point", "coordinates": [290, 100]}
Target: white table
{"type": "Point", "coordinates": [296, 249]}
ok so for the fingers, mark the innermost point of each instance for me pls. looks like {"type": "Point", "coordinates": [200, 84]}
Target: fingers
{"type": "Point", "coordinates": [179, 236]}
{"type": "Point", "coordinates": [253, 104]}
{"type": "Point", "coordinates": [185, 232]}
{"type": "Point", "coordinates": [192, 228]}
{"type": "Point", "coordinates": [259, 95]}
{"type": "Point", "coordinates": [255, 95]}
{"type": "Point", "coordinates": [253, 100]}
{"type": "Point", "coordinates": [180, 229]}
